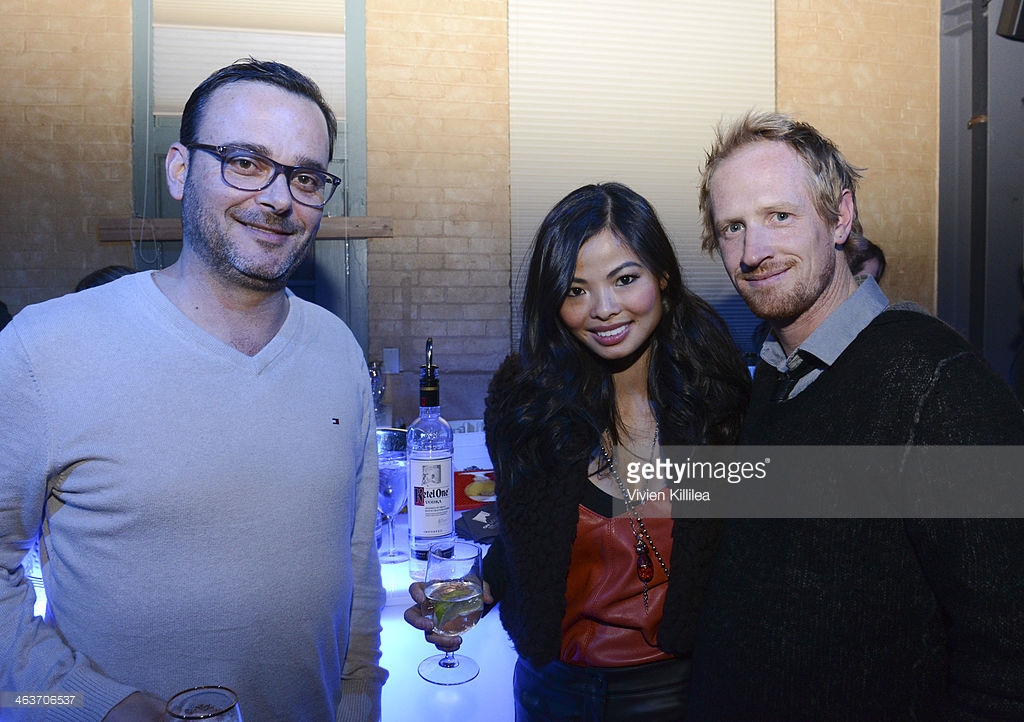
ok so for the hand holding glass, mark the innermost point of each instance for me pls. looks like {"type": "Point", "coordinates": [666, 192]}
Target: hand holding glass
{"type": "Point", "coordinates": [213, 704]}
{"type": "Point", "coordinates": [453, 585]}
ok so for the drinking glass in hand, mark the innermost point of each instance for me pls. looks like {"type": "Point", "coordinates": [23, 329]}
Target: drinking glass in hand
{"type": "Point", "coordinates": [213, 704]}
{"type": "Point", "coordinates": [453, 585]}
{"type": "Point", "coordinates": [392, 489]}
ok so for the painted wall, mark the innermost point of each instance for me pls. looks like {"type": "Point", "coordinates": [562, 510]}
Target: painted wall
{"type": "Point", "coordinates": [867, 74]}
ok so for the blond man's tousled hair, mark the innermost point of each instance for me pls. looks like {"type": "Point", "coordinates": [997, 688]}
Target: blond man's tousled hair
{"type": "Point", "coordinates": [829, 173]}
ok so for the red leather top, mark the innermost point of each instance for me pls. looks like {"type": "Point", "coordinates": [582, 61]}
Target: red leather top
{"type": "Point", "coordinates": [604, 623]}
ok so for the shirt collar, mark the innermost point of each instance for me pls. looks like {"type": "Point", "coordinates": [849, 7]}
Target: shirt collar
{"type": "Point", "coordinates": [835, 333]}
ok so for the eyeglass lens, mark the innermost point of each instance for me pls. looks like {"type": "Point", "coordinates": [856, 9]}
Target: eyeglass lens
{"type": "Point", "coordinates": [249, 171]}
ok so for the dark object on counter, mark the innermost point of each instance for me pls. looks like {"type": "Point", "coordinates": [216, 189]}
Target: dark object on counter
{"type": "Point", "coordinates": [479, 525]}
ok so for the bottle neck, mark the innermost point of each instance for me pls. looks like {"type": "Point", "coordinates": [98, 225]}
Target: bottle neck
{"type": "Point", "coordinates": [430, 398]}
{"type": "Point", "coordinates": [430, 411]}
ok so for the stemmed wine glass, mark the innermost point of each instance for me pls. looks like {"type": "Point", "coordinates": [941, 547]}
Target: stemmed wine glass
{"type": "Point", "coordinates": [392, 488]}
{"type": "Point", "coordinates": [213, 704]}
{"type": "Point", "coordinates": [453, 585]}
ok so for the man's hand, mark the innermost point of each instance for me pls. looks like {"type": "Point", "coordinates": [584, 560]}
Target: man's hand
{"type": "Point", "coordinates": [415, 617]}
{"type": "Point", "coordinates": [137, 707]}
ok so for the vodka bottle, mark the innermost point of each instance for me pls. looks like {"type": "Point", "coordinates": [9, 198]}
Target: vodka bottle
{"type": "Point", "coordinates": [429, 449]}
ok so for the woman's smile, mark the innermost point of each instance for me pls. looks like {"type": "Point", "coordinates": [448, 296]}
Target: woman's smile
{"type": "Point", "coordinates": [613, 304]}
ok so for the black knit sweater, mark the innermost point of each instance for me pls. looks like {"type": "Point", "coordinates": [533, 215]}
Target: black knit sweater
{"type": "Point", "coordinates": [541, 474]}
{"type": "Point", "coordinates": [871, 619]}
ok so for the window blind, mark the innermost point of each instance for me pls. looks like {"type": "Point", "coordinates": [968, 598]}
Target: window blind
{"type": "Point", "coordinates": [632, 92]}
{"type": "Point", "coordinates": [184, 55]}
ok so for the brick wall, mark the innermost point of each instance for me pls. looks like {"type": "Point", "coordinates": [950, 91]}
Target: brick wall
{"type": "Point", "coordinates": [866, 72]}
{"type": "Point", "coordinates": [65, 135]}
{"type": "Point", "coordinates": [438, 164]}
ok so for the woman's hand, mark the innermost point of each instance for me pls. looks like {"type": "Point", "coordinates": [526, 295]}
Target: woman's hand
{"type": "Point", "coordinates": [415, 617]}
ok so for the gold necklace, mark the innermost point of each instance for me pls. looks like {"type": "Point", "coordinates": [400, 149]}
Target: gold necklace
{"type": "Point", "coordinates": [644, 540]}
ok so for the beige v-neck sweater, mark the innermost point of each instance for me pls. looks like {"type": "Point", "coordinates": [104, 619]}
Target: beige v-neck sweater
{"type": "Point", "coordinates": [207, 517]}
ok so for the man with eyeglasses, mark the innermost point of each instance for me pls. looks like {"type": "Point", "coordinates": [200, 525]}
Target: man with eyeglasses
{"type": "Point", "coordinates": [196, 449]}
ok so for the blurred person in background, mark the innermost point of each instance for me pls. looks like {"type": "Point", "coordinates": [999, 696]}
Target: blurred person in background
{"type": "Point", "coordinates": [103, 275]}
{"type": "Point", "coordinates": [864, 257]}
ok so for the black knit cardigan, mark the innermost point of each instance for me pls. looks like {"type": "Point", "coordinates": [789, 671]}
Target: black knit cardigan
{"type": "Point", "coordinates": [541, 473]}
{"type": "Point", "coordinates": [872, 619]}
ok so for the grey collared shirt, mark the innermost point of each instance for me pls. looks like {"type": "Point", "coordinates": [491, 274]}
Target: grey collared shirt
{"type": "Point", "coordinates": [831, 338]}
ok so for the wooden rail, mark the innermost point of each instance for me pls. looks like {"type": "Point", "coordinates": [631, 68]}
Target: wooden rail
{"type": "Point", "coordinates": [113, 230]}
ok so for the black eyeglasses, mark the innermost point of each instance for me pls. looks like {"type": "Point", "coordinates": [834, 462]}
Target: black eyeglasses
{"type": "Point", "coordinates": [246, 170]}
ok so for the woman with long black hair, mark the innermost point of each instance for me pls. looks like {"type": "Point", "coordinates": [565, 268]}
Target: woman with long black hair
{"type": "Point", "coordinates": [617, 358]}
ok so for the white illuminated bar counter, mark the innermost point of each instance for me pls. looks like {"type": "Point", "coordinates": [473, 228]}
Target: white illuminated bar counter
{"type": "Point", "coordinates": [409, 697]}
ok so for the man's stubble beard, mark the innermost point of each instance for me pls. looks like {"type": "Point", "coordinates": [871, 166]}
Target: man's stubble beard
{"type": "Point", "coordinates": [785, 305]}
{"type": "Point", "coordinates": [214, 247]}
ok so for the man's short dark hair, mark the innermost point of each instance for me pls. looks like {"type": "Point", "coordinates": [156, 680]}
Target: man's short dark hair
{"type": "Point", "coordinates": [259, 71]}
